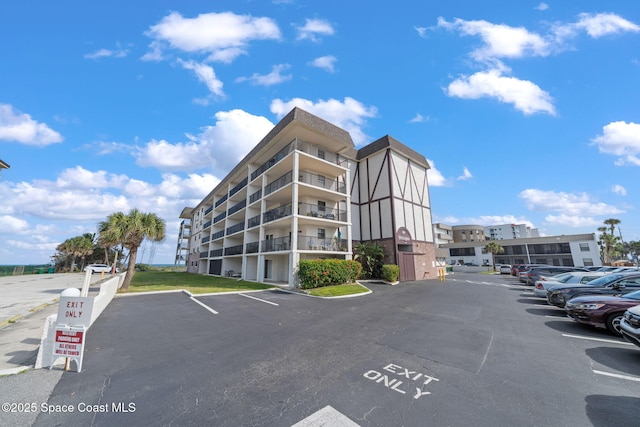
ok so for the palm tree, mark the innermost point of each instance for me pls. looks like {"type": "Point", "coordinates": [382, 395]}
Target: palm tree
{"type": "Point", "coordinates": [495, 248]}
{"type": "Point", "coordinates": [371, 257]}
{"type": "Point", "coordinates": [130, 231]}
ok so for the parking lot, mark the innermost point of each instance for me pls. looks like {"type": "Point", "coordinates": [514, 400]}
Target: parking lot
{"type": "Point", "coordinates": [473, 350]}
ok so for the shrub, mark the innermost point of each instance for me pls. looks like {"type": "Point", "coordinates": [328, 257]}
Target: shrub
{"type": "Point", "coordinates": [390, 272]}
{"type": "Point", "coordinates": [318, 273]}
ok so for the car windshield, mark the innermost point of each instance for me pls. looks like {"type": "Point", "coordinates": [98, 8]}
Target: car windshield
{"type": "Point", "coordinates": [605, 280]}
{"type": "Point", "coordinates": [632, 295]}
{"type": "Point", "coordinates": [562, 278]}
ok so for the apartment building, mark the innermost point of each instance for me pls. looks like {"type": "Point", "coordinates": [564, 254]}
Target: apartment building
{"type": "Point", "coordinates": [305, 192]}
{"type": "Point", "coordinates": [510, 231]}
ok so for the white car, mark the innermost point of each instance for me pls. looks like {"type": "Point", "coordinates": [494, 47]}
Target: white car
{"type": "Point", "coordinates": [630, 325]}
{"type": "Point", "coordinates": [98, 268]}
{"type": "Point", "coordinates": [565, 279]}
{"type": "Point", "coordinates": [505, 269]}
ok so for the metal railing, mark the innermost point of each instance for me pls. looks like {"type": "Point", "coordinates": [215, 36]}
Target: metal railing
{"type": "Point", "coordinates": [233, 250]}
{"type": "Point", "coordinates": [235, 228]}
{"type": "Point", "coordinates": [252, 247]}
{"type": "Point", "coordinates": [277, 244]}
{"type": "Point", "coordinates": [217, 234]}
{"type": "Point", "coordinates": [313, 243]}
{"type": "Point", "coordinates": [215, 253]}
{"type": "Point", "coordinates": [322, 181]}
{"type": "Point", "coordinates": [220, 217]}
{"type": "Point", "coordinates": [272, 161]}
{"type": "Point", "coordinates": [222, 200]}
{"type": "Point", "coordinates": [277, 213]}
{"type": "Point", "coordinates": [253, 221]}
{"type": "Point", "coordinates": [237, 207]}
{"type": "Point", "coordinates": [238, 187]}
{"type": "Point", "coordinates": [324, 212]}
{"type": "Point", "coordinates": [278, 183]}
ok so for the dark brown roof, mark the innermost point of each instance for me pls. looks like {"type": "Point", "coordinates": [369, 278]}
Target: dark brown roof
{"type": "Point", "coordinates": [393, 144]}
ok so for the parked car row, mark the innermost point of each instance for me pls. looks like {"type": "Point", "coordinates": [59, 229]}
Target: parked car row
{"type": "Point", "coordinates": [604, 299]}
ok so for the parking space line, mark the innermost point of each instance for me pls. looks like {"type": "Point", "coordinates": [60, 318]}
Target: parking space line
{"type": "Point", "coordinates": [192, 298]}
{"type": "Point", "coordinates": [259, 299]}
{"type": "Point", "coordinates": [609, 374]}
{"type": "Point", "coordinates": [580, 337]}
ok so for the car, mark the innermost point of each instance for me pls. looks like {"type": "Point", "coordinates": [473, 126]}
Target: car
{"type": "Point", "coordinates": [534, 273]}
{"type": "Point", "coordinates": [610, 284]}
{"type": "Point", "coordinates": [602, 311]}
{"type": "Point", "coordinates": [577, 278]}
{"type": "Point", "coordinates": [505, 269]}
{"type": "Point", "coordinates": [98, 268]}
{"type": "Point", "coordinates": [630, 325]}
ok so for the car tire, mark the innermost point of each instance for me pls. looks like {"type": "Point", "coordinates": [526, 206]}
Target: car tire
{"type": "Point", "coordinates": [613, 323]}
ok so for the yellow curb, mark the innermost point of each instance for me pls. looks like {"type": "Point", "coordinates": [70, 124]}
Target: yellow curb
{"type": "Point", "coordinates": [42, 306]}
{"type": "Point", "coordinates": [10, 320]}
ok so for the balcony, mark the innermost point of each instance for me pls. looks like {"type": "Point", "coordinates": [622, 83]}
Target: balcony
{"type": "Point", "coordinates": [220, 217]}
{"type": "Point", "coordinates": [253, 222]}
{"type": "Point", "coordinates": [206, 225]}
{"type": "Point", "coordinates": [278, 183]}
{"type": "Point", "coordinates": [217, 234]}
{"type": "Point", "coordinates": [215, 253]}
{"type": "Point", "coordinates": [209, 209]}
{"type": "Point", "coordinates": [313, 243]}
{"type": "Point", "coordinates": [203, 255]}
{"type": "Point", "coordinates": [221, 201]}
{"type": "Point", "coordinates": [238, 187]}
{"type": "Point", "coordinates": [237, 207]}
{"type": "Point", "coordinates": [324, 212]}
{"type": "Point", "coordinates": [252, 247]}
{"type": "Point", "coordinates": [320, 153]}
{"type": "Point", "coordinates": [255, 196]}
{"type": "Point", "coordinates": [277, 244]}
{"type": "Point", "coordinates": [321, 181]}
{"type": "Point", "coordinates": [233, 250]}
{"type": "Point", "coordinates": [277, 213]}
{"type": "Point", "coordinates": [235, 228]}
{"type": "Point", "coordinates": [206, 239]}
{"type": "Point", "coordinates": [272, 161]}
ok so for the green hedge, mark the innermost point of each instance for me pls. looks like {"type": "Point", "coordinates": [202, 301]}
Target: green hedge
{"type": "Point", "coordinates": [390, 272]}
{"type": "Point", "coordinates": [328, 272]}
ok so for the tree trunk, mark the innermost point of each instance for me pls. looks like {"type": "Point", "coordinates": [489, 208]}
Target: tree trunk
{"type": "Point", "coordinates": [131, 267]}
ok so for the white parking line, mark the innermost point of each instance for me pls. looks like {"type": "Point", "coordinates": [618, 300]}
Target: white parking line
{"type": "Point", "coordinates": [258, 299]}
{"type": "Point", "coordinates": [580, 337]}
{"type": "Point", "coordinates": [192, 298]}
{"type": "Point", "coordinates": [609, 374]}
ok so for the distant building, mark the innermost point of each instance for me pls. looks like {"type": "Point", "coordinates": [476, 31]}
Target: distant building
{"type": "Point", "coordinates": [468, 233]}
{"type": "Point", "coordinates": [510, 231]}
{"type": "Point", "coordinates": [566, 250]}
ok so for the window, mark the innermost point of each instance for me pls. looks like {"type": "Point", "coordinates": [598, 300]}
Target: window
{"type": "Point", "coordinates": [321, 233]}
{"type": "Point", "coordinates": [587, 261]}
{"type": "Point", "coordinates": [321, 180]}
{"type": "Point", "coordinates": [584, 247]}
{"type": "Point", "coordinates": [322, 205]}
{"type": "Point", "coordinates": [321, 153]}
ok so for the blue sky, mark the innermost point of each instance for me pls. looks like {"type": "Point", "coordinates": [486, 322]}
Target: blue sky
{"type": "Point", "coordinates": [528, 112]}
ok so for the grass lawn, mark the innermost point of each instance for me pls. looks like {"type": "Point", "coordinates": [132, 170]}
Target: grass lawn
{"type": "Point", "coordinates": [151, 281]}
{"type": "Point", "coordinates": [338, 290]}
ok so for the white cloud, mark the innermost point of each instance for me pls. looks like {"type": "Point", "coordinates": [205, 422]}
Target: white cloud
{"type": "Point", "coordinates": [619, 190]}
{"type": "Point", "coordinates": [567, 204]}
{"type": "Point", "coordinates": [108, 53]}
{"type": "Point", "coordinates": [273, 78]}
{"type": "Point", "coordinates": [15, 225]}
{"type": "Point", "coordinates": [601, 24]}
{"type": "Point", "coordinates": [435, 177]}
{"type": "Point", "coordinates": [205, 74]}
{"type": "Point", "coordinates": [542, 6]}
{"type": "Point", "coordinates": [325, 62]}
{"type": "Point", "coordinates": [465, 175]}
{"type": "Point", "coordinates": [419, 118]}
{"type": "Point", "coordinates": [221, 36]}
{"type": "Point", "coordinates": [574, 221]}
{"type": "Point", "coordinates": [349, 115]}
{"type": "Point", "coordinates": [422, 31]}
{"type": "Point", "coordinates": [500, 41]}
{"type": "Point", "coordinates": [621, 139]}
{"type": "Point", "coordinates": [523, 94]}
{"type": "Point", "coordinates": [20, 127]}
{"type": "Point", "coordinates": [313, 28]}
{"type": "Point", "coordinates": [217, 148]}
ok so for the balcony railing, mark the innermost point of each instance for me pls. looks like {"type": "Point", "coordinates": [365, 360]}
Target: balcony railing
{"type": "Point", "coordinates": [206, 225]}
{"type": "Point", "coordinates": [222, 200]}
{"type": "Point", "coordinates": [253, 222]}
{"type": "Point", "coordinates": [215, 253]}
{"type": "Point", "coordinates": [235, 228]}
{"type": "Point", "coordinates": [318, 211]}
{"type": "Point", "coordinates": [237, 207]}
{"type": "Point", "coordinates": [320, 152]}
{"type": "Point", "coordinates": [322, 181]}
{"type": "Point", "coordinates": [278, 183]}
{"type": "Point", "coordinates": [238, 187]}
{"type": "Point", "coordinates": [277, 244]}
{"type": "Point", "coordinates": [203, 255]}
{"type": "Point", "coordinates": [217, 234]}
{"type": "Point", "coordinates": [272, 161]}
{"type": "Point", "coordinates": [255, 196]}
{"type": "Point", "coordinates": [277, 213]}
{"type": "Point", "coordinates": [252, 247]}
{"type": "Point", "coordinates": [206, 239]}
{"type": "Point", "coordinates": [313, 243]}
{"type": "Point", "coordinates": [233, 250]}
{"type": "Point", "coordinates": [209, 209]}
{"type": "Point", "coordinates": [220, 217]}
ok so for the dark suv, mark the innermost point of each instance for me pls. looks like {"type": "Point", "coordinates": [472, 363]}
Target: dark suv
{"type": "Point", "coordinates": [615, 284]}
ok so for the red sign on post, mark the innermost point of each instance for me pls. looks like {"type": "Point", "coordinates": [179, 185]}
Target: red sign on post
{"type": "Point", "coordinates": [69, 343]}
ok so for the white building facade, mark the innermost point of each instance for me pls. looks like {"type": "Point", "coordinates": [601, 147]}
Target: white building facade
{"type": "Point", "coordinates": [510, 231]}
{"type": "Point", "coordinates": [301, 194]}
